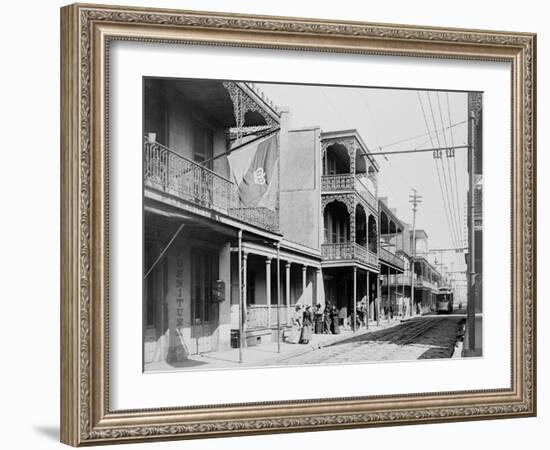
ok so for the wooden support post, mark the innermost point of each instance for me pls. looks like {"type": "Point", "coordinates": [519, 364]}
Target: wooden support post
{"type": "Point", "coordinates": [354, 299]}
{"type": "Point", "coordinates": [268, 290]}
{"type": "Point", "coordinates": [287, 287]}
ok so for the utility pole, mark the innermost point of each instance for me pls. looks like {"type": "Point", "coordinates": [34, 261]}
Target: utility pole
{"type": "Point", "coordinates": [415, 200]}
{"type": "Point", "coordinates": [470, 305]}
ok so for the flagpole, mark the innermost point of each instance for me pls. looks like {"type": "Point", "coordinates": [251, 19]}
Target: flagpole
{"type": "Point", "coordinates": [238, 147]}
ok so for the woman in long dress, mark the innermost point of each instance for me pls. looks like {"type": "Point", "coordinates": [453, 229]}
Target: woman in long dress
{"type": "Point", "coordinates": [306, 326]}
{"type": "Point", "coordinates": [318, 319]}
{"type": "Point", "coordinates": [296, 322]}
{"type": "Point", "coordinates": [335, 320]}
{"type": "Point", "coordinates": [327, 317]}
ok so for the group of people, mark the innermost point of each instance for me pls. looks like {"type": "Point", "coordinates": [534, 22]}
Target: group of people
{"type": "Point", "coordinates": [318, 320]}
{"type": "Point", "coordinates": [326, 320]}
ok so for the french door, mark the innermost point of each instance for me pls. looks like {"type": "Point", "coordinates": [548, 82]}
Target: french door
{"type": "Point", "coordinates": [204, 310]}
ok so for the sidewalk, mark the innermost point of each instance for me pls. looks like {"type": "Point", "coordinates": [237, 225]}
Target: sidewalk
{"type": "Point", "coordinates": [265, 354]}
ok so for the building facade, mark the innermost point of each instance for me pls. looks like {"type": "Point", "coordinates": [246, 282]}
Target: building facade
{"type": "Point", "coordinates": [349, 200]}
{"type": "Point", "coordinates": [193, 213]}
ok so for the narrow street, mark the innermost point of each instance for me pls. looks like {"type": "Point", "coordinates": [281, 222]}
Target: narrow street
{"type": "Point", "coordinates": [425, 337]}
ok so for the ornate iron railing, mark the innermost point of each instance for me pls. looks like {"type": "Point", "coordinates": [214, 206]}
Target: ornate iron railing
{"type": "Point", "coordinates": [348, 182]}
{"type": "Point", "coordinates": [168, 171]}
{"type": "Point", "coordinates": [419, 282]}
{"type": "Point", "coordinates": [348, 251]}
{"type": "Point", "coordinates": [338, 182]}
{"type": "Point", "coordinates": [424, 283]}
{"type": "Point", "coordinates": [365, 255]}
{"type": "Point", "coordinates": [364, 192]}
{"type": "Point", "coordinates": [399, 280]}
{"type": "Point", "coordinates": [391, 258]}
{"type": "Point", "coordinates": [260, 316]}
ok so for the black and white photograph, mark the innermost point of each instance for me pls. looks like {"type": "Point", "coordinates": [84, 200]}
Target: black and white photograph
{"type": "Point", "coordinates": [296, 224]}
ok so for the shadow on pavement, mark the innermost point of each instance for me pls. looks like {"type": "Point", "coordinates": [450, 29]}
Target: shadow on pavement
{"type": "Point", "coordinates": [410, 332]}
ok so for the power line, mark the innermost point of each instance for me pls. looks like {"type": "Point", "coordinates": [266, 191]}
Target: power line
{"type": "Point", "coordinates": [420, 150]}
{"type": "Point", "coordinates": [449, 204]}
{"type": "Point", "coordinates": [450, 127]}
{"type": "Point", "coordinates": [436, 165]}
{"type": "Point", "coordinates": [446, 195]}
{"type": "Point", "coordinates": [448, 165]}
{"type": "Point", "coordinates": [454, 164]}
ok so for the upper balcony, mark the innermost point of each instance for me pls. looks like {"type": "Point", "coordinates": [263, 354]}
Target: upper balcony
{"type": "Point", "coordinates": [349, 167]}
{"type": "Point", "coordinates": [391, 259]}
{"type": "Point", "coordinates": [169, 172]}
{"type": "Point", "coordinates": [405, 279]}
{"type": "Point", "coordinates": [350, 232]}
{"type": "Point", "coordinates": [340, 183]}
{"type": "Point", "coordinates": [426, 275]}
{"type": "Point", "coordinates": [348, 251]}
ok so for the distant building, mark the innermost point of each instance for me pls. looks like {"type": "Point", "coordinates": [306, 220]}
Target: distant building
{"type": "Point", "coordinates": [391, 259]}
{"type": "Point", "coordinates": [427, 277]}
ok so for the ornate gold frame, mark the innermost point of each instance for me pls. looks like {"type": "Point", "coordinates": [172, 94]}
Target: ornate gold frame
{"type": "Point", "coordinates": [86, 31]}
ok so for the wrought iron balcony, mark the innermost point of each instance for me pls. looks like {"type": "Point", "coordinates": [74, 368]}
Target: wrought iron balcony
{"type": "Point", "coordinates": [348, 182]}
{"type": "Point", "coordinates": [424, 283]}
{"type": "Point", "coordinates": [170, 172]}
{"type": "Point", "coordinates": [419, 282]}
{"type": "Point", "coordinates": [348, 251]}
{"type": "Point", "coordinates": [391, 259]}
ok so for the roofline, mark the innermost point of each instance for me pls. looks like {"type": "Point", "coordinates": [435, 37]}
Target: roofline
{"type": "Point", "coordinates": [353, 133]}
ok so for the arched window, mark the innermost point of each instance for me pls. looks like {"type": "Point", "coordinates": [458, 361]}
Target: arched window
{"type": "Point", "coordinates": [336, 160]}
{"type": "Point", "coordinates": [372, 234]}
{"type": "Point", "coordinates": [336, 222]}
{"type": "Point", "coordinates": [360, 225]}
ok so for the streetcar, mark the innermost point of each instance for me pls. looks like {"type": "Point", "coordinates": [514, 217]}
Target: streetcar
{"type": "Point", "coordinates": [444, 300]}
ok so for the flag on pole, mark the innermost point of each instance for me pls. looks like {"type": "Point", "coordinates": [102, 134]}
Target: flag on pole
{"type": "Point", "coordinates": [254, 168]}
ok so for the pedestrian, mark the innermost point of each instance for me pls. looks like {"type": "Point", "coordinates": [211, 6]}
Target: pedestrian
{"type": "Point", "coordinates": [318, 319]}
{"type": "Point", "coordinates": [360, 315]}
{"type": "Point", "coordinates": [296, 322]}
{"type": "Point", "coordinates": [307, 323]}
{"type": "Point", "coordinates": [335, 320]}
{"type": "Point", "coordinates": [365, 309]}
{"type": "Point", "coordinates": [327, 317]}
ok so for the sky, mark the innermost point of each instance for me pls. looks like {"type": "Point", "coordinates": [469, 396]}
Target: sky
{"type": "Point", "coordinates": [387, 119]}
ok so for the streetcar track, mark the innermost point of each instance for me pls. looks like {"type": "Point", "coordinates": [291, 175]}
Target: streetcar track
{"type": "Point", "coordinates": [410, 331]}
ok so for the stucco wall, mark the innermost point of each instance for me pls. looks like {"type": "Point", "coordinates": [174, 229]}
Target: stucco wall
{"type": "Point", "coordinates": [300, 199]}
{"type": "Point", "coordinates": [180, 339]}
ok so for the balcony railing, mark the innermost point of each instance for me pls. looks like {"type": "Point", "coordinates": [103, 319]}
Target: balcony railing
{"type": "Point", "coordinates": [424, 283]}
{"type": "Point", "coordinates": [400, 279]}
{"type": "Point", "coordinates": [338, 182]}
{"type": "Point", "coordinates": [348, 182]}
{"type": "Point", "coordinates": [419, 282]}
{"type": "Point", "coordinates": [260, 316]}
{"type": "Point", "coordinates": [364, 192]}
{"type": "Point", "coordinates": [391, 258]}
{"type": "Point", "coordinates": [177, 175]}
{"type": "Point", "coordinates": [348, 251]}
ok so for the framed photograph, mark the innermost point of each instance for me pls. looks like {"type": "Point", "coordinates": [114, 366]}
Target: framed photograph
{"type": "Point", "coordinates": [276, 224]}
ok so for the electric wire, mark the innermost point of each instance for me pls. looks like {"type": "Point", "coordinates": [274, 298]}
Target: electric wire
{"type": "Point", "coordinates": [454, 169]}
{"type": "Point", "coordinates": [437, 167]}
{"type": "Point", "coordinates": [452, 183]}
{"type": "Point", "coordinates": [447, 202]}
